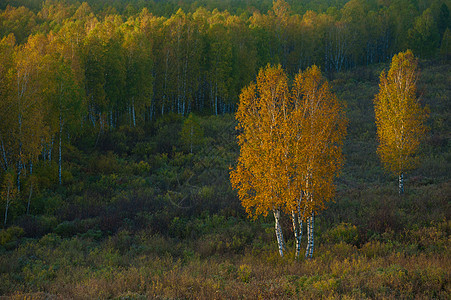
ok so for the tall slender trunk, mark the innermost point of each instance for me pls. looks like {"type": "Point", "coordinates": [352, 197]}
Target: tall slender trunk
{"type": "Point", "coordinates": [216, 98]}
{"type": "Point", "coordinates": [111, 119]}
{"type": "Point", "coordinates": [191, 139]}
{"type": "Point", "coordinates": [297, 232]}
{"type": "Point", "coordinates": [133, 112]}
{"type": "Point", "coordinates": [401, 184]}
{"type": "Point", "coordinates": [129, 108]}
{"type": "Point", "coordinates": [165, 82]}
{"type": "Point", "coordinates": [19, 171]}
{"type": "Point", "coordinates": [7, 206]}
{"type": "Point", "coordinates": [5, 160]}
{"type": "Point", "coordinates": [29, 197]}
{"type": "Point", "coordinates": [279, 234]}
{"type": "Point", "coordinates": [298, 224]}
{"type": "Point", "coordinates": [51, 149]}
{"type": "Point", "coordinates": [59, 150]}
{"type": "Point", "coordinates": [19, 161]}
{"type": "Point", "coordinates": [310, 242]}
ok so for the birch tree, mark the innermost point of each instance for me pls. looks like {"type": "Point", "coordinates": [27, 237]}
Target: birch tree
{"type": "Point", "coordinates": [139, 79]}
{"type": "Point", "coordinates": [260, 176]}
{"type": "Point", "coordinates": [25, 131]}
{"type": "Point", "coordinates": [8, 194]}
{"type": "Point", "coordinates": [290, 148]}
{"type": "Point", "coordinates": [63, 100]}
{"type": "Point", "coordinates": [7, 52]}
{"type": "Point", "coordinates": [317, 129]}
{"type": "Point", "coordinates": [400, 119]}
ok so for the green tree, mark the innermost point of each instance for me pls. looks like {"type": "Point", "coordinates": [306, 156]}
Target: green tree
{"type": "Point", "coordinates": [25, 107]}
{"type": "Point", "coordinates": [139, 67]}
{"type": "Point", "coordinates": [63, 100]}
{"type": "Point", "coordinates": [8, 193]}
{"type": "Point", "coordinates": [192, 133]}
{"type": "Point", "coordinates": [424, 37]}
{"type": "Point", "coordinates": [7, 59]}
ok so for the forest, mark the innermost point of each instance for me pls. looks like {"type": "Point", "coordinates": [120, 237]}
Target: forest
{"type": "Point", "coordinates": [141, 156]}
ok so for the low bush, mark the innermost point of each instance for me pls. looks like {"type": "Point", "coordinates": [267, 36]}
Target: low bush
{"type": "Point", "coordinates": [344, 232]}
{"type": "Point", "coordinates": [10, 236]}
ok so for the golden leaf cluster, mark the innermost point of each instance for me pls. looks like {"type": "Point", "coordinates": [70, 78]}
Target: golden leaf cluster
{"type": "Point", "coordinates": [399, 116]}
{"type": "Point", "coordinates": [290, 140]}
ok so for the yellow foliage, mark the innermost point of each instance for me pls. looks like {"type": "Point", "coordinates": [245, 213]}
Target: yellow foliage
{"type": "Point", "coordinates": [399, 116]}
{"type": "Point", "coordinates": [290, 142]}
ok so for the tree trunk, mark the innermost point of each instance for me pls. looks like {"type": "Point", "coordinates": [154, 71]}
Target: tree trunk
{"type": "Point", "coordinates": [7, 206]}
{"type": "Point", "coordinates": [59, 151]}
{"type": "Point", "coordinates": [310, 242]}
{"type": "Point", "coordinates": [401, 184]}
{"type": "Point", "coordinates": [297, 232]}
{"type": "Point", "coordinates": [216, 98]}
{"type": "Point", "coordinates": [29, 197]}
{"type": "Point", "coordinates": [51, 149]}
{"type": "Point", "coordinates": [111, 119]}
{"type": "Point", "coordinates": [133, 112]}
{"type": "Point", "coordinates": [279, 233]}
{"type": "Point", "coordinates": [191, 140]}
{"type": "Point", "coordinates": [165, 82]}
{"type": "Point", "coordinates": [19, 171]}
{"type": "Point", "coordinates": [5, 160]}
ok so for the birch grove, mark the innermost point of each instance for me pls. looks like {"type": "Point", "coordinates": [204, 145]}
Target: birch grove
{"type": "Point", "coordinates": [290, 149]}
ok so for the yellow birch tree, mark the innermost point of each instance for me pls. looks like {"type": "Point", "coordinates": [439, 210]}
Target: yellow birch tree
{"type": "Point", "coordinates": [400, 119]}
{"type": "Point", "coordinates": [317, 128]}
{"type": "Point", "coordinates": [290, 148]}
{"type": "Point", "coordinates": [260, 176]}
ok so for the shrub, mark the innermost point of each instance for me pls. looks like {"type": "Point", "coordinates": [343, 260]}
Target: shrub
{"type": "Point", "coordinates": [343, 232]}
{"type": "Point", "coordinates": [104, 164]}
{"type": "Point", "coordinates": [67, 228]}
{"type": "Point", "coordinates": [244, 273]}
{"type": "Point", "coordinates": [122, 241]}
{"type": "Point", "coordinates": [144, 149]}
{"type": "Point", "coordinates": [50, 240]}
{"type": "Point", "coordinates": [35, 226]}
{"type": "Point", "coordinates": [375, 249]}
{"type": "Point", "coordinates": [8, 237]}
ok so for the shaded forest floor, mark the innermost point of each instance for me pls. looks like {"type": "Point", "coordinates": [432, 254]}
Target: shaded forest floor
{"type": "Point", "coordinates": [139, 216]}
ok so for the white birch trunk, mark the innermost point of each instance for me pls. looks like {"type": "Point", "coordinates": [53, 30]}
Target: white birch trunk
{"type": "Point", "coordinates": [191, 140]}
{"type": "Point", "coordinates": [165, 81]}
{"type": "Point", "coordinates": [216, 98]}
{"type": "Point", "coordinates": [29, 198]}
{"type": "Point", "coordinates": [297, 232]}
{"type": "Point", "coordinates": [310, 242]}
{"type": "Point", "coordinates": [59, 151]}
{"type": "Point", "coordinates": [401, 184]}
{"type": "Point", "coordinates": [133, 112]}
{"type": "Point", "coordinates": [5, 160]}
{"type": "Point", "coordinates": [7, 206]}
{"type": "Point", "coordinates": [50, 150]}
{"type": "Point", "coordinates": [279, 234]}
{"type": "Point", "coordinates": [19, 171]}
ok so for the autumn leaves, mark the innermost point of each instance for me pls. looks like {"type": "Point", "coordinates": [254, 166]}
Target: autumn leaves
{"type": "Point", "coordinates": [290, 147]}
{"type": "Point", "coordinates": [291, 140]}
{"type": "Point", "coordinates": [399, 117]}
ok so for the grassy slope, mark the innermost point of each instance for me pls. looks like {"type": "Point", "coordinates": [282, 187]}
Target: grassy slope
{"type": "Point", "coordinates": [141, 223]}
